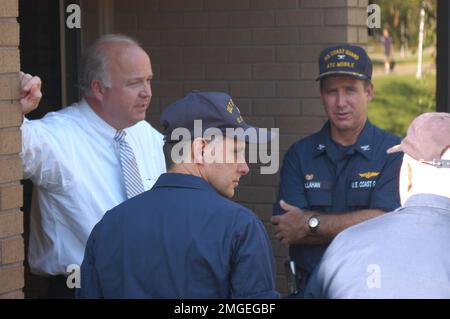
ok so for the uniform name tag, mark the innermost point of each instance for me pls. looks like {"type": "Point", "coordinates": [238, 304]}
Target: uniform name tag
{"type": "Point", "coordinates": [363, 184]}
{"type": "Point", "coordinates": [309, 185]}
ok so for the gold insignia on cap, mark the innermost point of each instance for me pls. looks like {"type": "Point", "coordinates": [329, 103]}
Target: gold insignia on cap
{"type": "Point", "coordinates": [309, 177]}
{"type": "Point", "coordinates": [230, 106]}
{"type": "Point", "coordinates": [369, 174]}
{"type": "Point", "coordinates": [239, 119]}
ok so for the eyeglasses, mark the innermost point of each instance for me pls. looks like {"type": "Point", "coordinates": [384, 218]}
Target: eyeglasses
{"type": "Point", "coordinates": [438, 163]}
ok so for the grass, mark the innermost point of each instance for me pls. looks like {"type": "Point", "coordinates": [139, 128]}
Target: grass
{"type": "Point", "coordinates": [399, 99]}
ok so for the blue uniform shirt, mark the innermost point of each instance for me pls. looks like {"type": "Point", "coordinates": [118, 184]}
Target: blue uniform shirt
{"type": "Point", "coordinates": [181, 239]}
{"type": "Point", "coordinates": [320, 175]}
{"type": "Point", "coordinates": [399, 255]}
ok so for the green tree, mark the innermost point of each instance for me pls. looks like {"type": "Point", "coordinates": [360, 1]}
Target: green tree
{"type": "Point", "coordinates": [394, 13]}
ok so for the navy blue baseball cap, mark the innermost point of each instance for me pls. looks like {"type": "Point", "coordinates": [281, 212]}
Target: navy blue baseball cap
{"type": "Point", "coordinates": [345, 59]}
{"type": "Point", "coordinates": [215, 110]}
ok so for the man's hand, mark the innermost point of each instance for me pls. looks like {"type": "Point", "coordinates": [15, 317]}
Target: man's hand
{"type": "Point", "coordinates": [30, 92]}
{"type": "Point", "coordinates": [291, 227]}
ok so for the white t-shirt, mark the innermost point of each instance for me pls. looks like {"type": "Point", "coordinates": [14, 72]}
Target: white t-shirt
{"type": "Point", "coordinates": [73, 161]}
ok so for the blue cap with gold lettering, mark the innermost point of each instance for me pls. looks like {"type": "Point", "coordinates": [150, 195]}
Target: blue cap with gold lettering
{"type": "Point", "coordinates": [345, 59]}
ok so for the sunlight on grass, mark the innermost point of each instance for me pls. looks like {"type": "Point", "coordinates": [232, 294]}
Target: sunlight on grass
{"type": "Point", "coordinates": [399, 99]}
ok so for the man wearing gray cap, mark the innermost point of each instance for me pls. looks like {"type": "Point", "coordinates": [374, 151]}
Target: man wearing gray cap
{"type": "Point", "coordinates": [403, 254]}
{"type": "Point", "coordinates": [184, 238]}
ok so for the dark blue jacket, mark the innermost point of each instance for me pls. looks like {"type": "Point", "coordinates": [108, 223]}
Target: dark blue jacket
{"type": "Point", "coordinates": [181, 239]}
{"type": "Point", "coordinates": [319, 175]}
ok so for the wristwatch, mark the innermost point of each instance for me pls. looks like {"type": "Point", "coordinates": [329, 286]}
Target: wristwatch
{"type": "Point", "coordinates": [314, 223]}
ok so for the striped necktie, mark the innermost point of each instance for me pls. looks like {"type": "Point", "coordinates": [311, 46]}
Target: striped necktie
{"type": "Point", "coordinates": [130, 170]}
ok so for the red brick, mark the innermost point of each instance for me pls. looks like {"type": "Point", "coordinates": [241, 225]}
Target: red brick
{"type": "Point", "coordinates": [227, 5]}
{"type": "Point", "coordinates": [278, 249]}
{"type": "Point", "coordinates": [300, 89]}
{"type": "Point", "coordinates": [10, 33]}
{"type": "Point", "coordinates": [286, 140]}
{"type": "Point", "coordinates": [158, 20]}
{"type": "Point", "coordinates": [156, 69]}
{"type": "Point", "coordinates": [302, 53]}
{"type": "Point", "coordinates": [276, 107]}
{"type": "Point", "coordinates": [251, 54]}
{"type": "Point", "coordinates": [181, 5]}
{"type": "Point", "coordinates": [324, 3]}
{"type": "Point", "coordinates": [252, 19]}
{"type": "Point", "coordinates": [345, 16]}
{"type": "Point", "coordinates": [11, 196]}
{"type": "Point", "coordinates": [279, 264]}
{"type": "Point", "coordinates": [325, 35]}
{"type": "Point", "coordinates": [352, 35]}
{"type": "Point", "coordinates": [134, 5]}
{"type": "Point", "coordinates": [228, 72]}
{"type": "Point", "coordinates": [310, 70]}
{"type": "Point", "coordinates": [10, 142]}
{"type": "Point", "coordinates": [257, 194]}
{"type": "Point", "coordinates": [313, 107]}
{"type": "Point", "coordinates": [147, 37]}
{"type": "Point", "coordinates": [362, 35]}
{"type": "Point", "coordinates": [302, 17]}
{"type": "Point", "coordinates": [245, 106]}
{"type": "Point", "coordinates": [263, 211]}
{"type": "Point", "coordinates": [262, 122]}
{"type": "Point", "coordinates": [275, 36]}
{"type": "Point", "coordinates": [12, 250]}
{"type": "Point", "coordinates": [17, 294]}
{"type": "Point", "coordinates": [125, 22]}
{"type": "Point", "coordinates": [363, 3]}
{"type": "Point", "coordinates": [182, 72]}
{"type": "Point", "coordinates": [299, 125]}
{"type": "Point", "coordinates": [11, 278]}
{"type": "Point", "coordinates": [205, 20]}
{"type": "Point", "coordinates": [10, 169]}
{"type": "Point", "coordinates": [164, 55]}
{"type": "Point", "coordinates": [205, 55]}
{"type": "Point", "coordinates": [274, 4]}
{"type": "Point", "coordinates": [9, 60]}
{"type": "Point", "coordinates": [259, 179]}
{"type": "Point", "coordinates": [9, 9]}
{"type": "Point", "coordinates": [11, 223]}
{"type": "Point", "coordinates": [216, 86]}
{"type": "Point", "coordinates": [183, 37]}
{"type": "Point", "coordinates": [9, 87]}
{"type": "Point", "coordinates": [281, 284]}
{"type": "Point", "coordinates": [230, 36]}
{"type": "Point", "coordinates": [166, 101]}
{"type": "Point", "coordinates": [167, 89]}
{"type": "Point", "coordinates": [10, 115]}
{"type": "Point", "coordinates": [276, 71]}
{"type": "Point", "coordinates": [252, 89]}
{"type": "Point", "coordinates": [154, 106]}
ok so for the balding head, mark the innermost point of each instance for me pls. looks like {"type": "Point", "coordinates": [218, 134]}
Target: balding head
{"type": "Point", "coordinates": [94, 63]}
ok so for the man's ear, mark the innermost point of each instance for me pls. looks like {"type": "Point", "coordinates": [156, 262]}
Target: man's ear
{"type": "Point", "coordinates": [98, 90]}
{"type": "Point", "coordinates": [370, 92]}
{"type": "Point", "coordinates": [198, 146]}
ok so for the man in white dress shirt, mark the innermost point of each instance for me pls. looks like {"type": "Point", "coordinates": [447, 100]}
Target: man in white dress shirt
{"type": "Point", "coordinates": [73, 160]}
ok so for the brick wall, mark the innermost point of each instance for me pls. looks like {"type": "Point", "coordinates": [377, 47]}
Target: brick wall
{"type": "Point", "coordinates": [262, 52]}
{"type": "Point", "coordinates": [11, 218]}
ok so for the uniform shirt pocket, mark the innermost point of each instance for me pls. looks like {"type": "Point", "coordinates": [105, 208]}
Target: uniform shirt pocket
{"type": "Point", "coordinates": [319, 199]}
{"type": "Point", "coordinates": [358, 198]}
